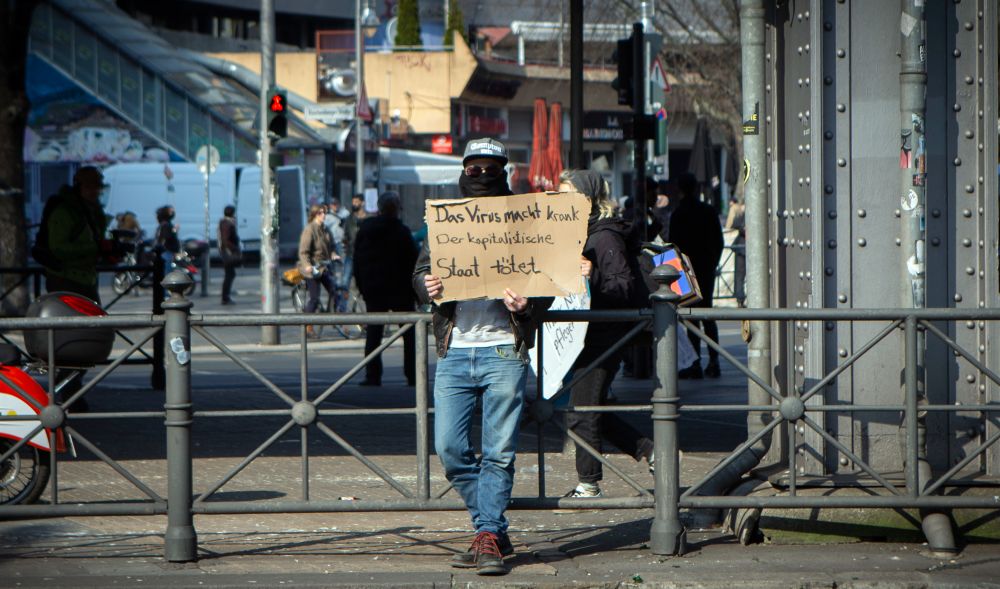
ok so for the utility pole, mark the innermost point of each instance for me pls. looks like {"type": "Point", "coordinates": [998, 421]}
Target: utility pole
{"type": "Point", "coordinates": [648, 54]}
{"type": "Point", "coordinates": [752, 15]}
{"type": "Point", "coordinates": [913, 175]}
{"type": "Point", "coordinates": [270, 334]}
{"type": "Point", "coordinates": [936, 524]}
{"type": "Point", "coordinates": [359, 123]}
{"type": "Point", "coordinates": [576, 84]}
{"type": "Point", "coordinates": [639, 87]}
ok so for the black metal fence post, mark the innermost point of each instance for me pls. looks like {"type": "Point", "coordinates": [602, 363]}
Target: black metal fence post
{"type": "Point", "coordinates": [180, 540]}
{"type": "Point", "coordinates": [423, 414]}
{"type": "Point", "coordinates": [667, 535]}
{"type": "Point", "coordinates": [158, 378]}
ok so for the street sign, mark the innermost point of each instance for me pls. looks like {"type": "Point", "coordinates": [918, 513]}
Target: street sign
{"type": "Point", "coordinates": [658, 76]}
{"type": "Point", "coordinates": [604, 125]}
{"type": "Point", "coordinates": [331, 114]}
{"type": "Point", "coordinates": [207, 159]}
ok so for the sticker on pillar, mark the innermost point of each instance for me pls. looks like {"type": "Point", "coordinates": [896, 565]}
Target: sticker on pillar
{"type": "Point", "coordinates": [751, 126]}
{"type": "Point", "coordinates": [906, 24]}
{"type": "Point", "coordinates": [909, 202]}
{"type": "Point", "coordinates": [905, 149]}
{"type": "Point", "coordinates": [920, 155]}
{"type": "Point", "coordinates": [915, 264]}
{"type": "Point", "coordinates": [180, 351]}
{"type": "Point", "coordinates": [746, 170]}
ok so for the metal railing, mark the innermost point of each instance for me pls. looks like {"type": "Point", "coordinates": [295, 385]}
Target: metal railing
{"type": "Point", "coordinates": [145, 273]}
{"type": "Point", "coordinates": [305, 414]}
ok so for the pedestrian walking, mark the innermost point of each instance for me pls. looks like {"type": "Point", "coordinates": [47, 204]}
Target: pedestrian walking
{"type": "Point", "coordinates": [72, 236]}
{"type": "Point", "coordinates": [70, 244]}
{"type": "Point", "coordinates": [351, 225]}
{"type": "Point", "coordinates": [662, 210]}
{"type": "Point", "coordinates": [695, 229]}
{"type": "Point", "coordinates": [615, 283]}
{"type": "Point", "coordinates": [229, 250]}
{"type": "Point", "coordinates": [315, 255]}
{"type": "Point", "coordinates": [385, 256]}
{"type": "Point", "coordinates": [334, 226]}
{"type": "Point", "coordinates": [482, 354]}
{"type": "Point", "coordinates": [166, 243]}
{"type": "Point", "coordinates": [736, 221]}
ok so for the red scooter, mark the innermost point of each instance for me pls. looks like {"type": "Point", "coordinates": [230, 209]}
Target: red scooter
{"type": "Point", "coordinates": [24, 471]}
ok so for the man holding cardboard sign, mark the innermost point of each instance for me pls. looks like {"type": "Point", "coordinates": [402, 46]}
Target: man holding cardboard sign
{"type": "Point", "coordinates": [483, 255]}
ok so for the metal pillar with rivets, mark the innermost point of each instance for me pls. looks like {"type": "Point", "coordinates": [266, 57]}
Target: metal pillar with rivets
{"type": "Point", "coordinates": [836, 153]}
{"type": "Point", "coordinates": [962, 202]}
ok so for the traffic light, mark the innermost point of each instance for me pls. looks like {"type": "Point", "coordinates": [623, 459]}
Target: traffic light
{"type": "Point", "coordinates": [624, 82]}
{"type": "Point", "coordinates": [277, 112]}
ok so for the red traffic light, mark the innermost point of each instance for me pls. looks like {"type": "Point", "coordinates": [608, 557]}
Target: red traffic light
{"type": "Point", "coordinates": [277, 103]}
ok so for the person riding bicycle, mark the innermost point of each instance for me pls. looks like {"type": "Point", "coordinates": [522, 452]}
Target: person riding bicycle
{"type": "Point", "coordinates": [315, 255]}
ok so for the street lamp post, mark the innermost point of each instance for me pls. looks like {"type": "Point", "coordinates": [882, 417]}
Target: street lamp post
{"type": "Point", "coordinates": [359, 77]}
{"type": "Point", "coordinates": [362, 18]}
{"type": "Point", "coordinates": [270, 334]}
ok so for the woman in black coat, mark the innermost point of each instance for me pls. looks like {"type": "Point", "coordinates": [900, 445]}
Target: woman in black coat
{"type": "Point", "coordinates": [615, 283]}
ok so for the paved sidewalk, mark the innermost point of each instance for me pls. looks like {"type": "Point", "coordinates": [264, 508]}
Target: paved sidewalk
{"type": "Point", "coordinates": [582, 549]}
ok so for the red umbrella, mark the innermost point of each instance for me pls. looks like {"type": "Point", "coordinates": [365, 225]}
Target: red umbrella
{"type": "Point", "coordinates": [554, 151]}
{"type": "Point", "coordinates": [539, 165]}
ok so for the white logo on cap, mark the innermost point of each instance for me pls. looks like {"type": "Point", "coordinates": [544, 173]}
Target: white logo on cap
{"type": "Point", "coordinates": [487, 147]}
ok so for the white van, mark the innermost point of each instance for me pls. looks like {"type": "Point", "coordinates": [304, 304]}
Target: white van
{"type": "Point", "coordinates": [292, 206]}
{"type": "Point", "coordinates": [142, 188]}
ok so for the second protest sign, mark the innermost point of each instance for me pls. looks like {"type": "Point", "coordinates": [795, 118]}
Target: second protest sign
{"type": "Point", "coordinates": [529, 243]}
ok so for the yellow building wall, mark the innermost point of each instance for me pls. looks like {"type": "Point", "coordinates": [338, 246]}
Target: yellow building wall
{"type": "Point", "coordinates": [293, 71]}
{"type": "Point", "coordinates": [420, 85]}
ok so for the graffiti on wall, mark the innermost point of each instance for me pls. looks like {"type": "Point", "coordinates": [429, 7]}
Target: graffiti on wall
{"type": "Point", "coordinates": [67, 124]}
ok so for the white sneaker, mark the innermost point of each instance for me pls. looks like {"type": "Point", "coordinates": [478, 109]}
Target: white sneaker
{"type": "Point", "coordinates": [586, 490]}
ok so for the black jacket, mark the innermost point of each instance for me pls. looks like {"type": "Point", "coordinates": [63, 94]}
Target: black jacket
{"type": "Point", "coordinates": [384, 255]}
{"type": "Point", "coordinates": [166, 238]}
{"type": "Point", "coordinates": [522, 325]}
{"type": "Point", "coordinates": [695, 229]}
{"type": "Point", "coordinates": [615, 277]}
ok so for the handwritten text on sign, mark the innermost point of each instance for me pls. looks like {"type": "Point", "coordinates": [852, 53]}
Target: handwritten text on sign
{"type": "Point", "coordinates": [529, 243]}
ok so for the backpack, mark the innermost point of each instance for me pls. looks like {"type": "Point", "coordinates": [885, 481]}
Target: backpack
{"type": "Point", "coordinates": [654, 254]}
{"type": "Point", "coordinates": [40, 249]}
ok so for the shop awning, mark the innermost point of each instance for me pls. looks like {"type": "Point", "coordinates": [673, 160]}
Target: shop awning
{"type": "Point", "coordinates": [408, 166]}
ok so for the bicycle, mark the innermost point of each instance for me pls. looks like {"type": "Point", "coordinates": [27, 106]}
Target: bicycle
{"type": "Point", "coordinates": [341, 300]}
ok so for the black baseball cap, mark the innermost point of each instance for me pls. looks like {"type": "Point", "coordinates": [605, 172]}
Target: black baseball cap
{"type": "Point", "coordinates": [485, 147]}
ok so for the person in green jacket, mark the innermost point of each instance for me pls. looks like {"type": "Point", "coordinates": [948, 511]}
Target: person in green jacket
{"type": "Point", "coordinates": [76, 229]}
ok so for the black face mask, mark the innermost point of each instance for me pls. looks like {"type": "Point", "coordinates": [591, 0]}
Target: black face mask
{"type": "Point", "coordinates": [484, 185]}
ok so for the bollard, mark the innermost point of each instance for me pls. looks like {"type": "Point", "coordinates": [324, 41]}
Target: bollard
{"type": "Point", "coordinates": [158, 377]}
{"type": "Point", "coordinates": [667, 534]}
{"type": "Point", "coordinates": [181, 540]}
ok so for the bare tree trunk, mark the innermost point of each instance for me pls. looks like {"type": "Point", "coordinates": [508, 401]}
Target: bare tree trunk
{"type": "Point", "coordinates": [15, 23]}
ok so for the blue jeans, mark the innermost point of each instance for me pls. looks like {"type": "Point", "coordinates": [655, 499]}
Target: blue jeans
{"type": "Point", "coordinates": [345, 276]}
{"type": "Point", "coordinates": [497, 374]}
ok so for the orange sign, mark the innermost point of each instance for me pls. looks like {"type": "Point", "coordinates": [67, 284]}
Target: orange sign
{"type": "Point", "coordinates": [441, 144]}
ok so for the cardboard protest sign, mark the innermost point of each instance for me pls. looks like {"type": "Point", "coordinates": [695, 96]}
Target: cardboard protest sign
{"type": "Point", "coordinates": [529, 243]}
{"type": "Point", "coordinates": [562, 343]}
